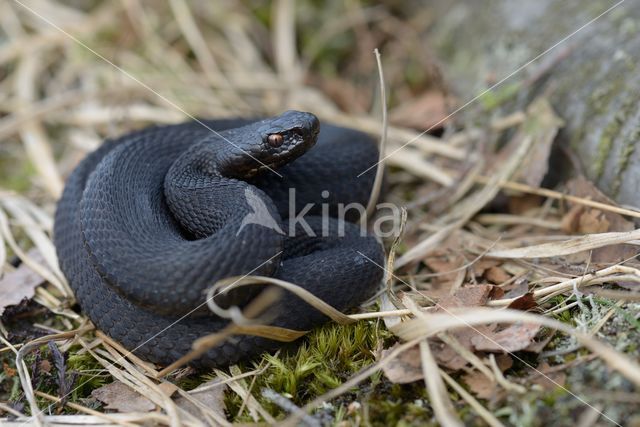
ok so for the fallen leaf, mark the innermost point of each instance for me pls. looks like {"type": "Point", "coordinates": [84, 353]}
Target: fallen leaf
{"type": "Point", "coordinates": [447, 265]}
{"type": "Point", "coordinates": [520, 205]}
{"type": "Point", "coordinates": [449, 358]}
{"type": "Point", "coordinates": [480, 385]}
{"type": "Point", "coordinates": [582, 187]}
{"type": "Point", "coordinates": [406, 368]}
{"type": "Point", "coordinates": [496, 293]}
{"type": "Point", "coordinates": [524, 302]}
{"type": "Point", "coordinates": [513, 338]}
{"type": "Point", "coordinates": [582, 219]}
{"type": "Point", "coordinates": [467, 296]}
{"type": "Point", "coordinates": [504, 361]}
{"type": "Point", "coordinates": [496, 275]}
{"type": "Point", "coordinates": [209, 395]}
{"type": "Point", "coordinates": [474, 295]}
{"type": "Point", "coordinates": [421, 112]}
{"type": "Point", "coordinates": [18, 285]}
{"type": "Point", "coordinates": [483, 265]}
{"type": "Point", "coordinates": [122, 398]}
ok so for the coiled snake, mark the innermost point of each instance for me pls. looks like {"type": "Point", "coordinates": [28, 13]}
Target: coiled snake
{"type": "Point", "coordinates": [149, 221]}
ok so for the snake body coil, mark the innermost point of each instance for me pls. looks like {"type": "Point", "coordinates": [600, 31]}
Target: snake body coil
{"type": "Point", "coordinates": [149, 221]}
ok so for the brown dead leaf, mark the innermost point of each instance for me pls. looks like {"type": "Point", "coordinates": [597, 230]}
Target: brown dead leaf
{"type": "Point", "coordinates": [582, 219]}
{"type": "Point", "coordinates": [582, 187]}
{"type": "Point", "coordinates": [422, 112]}
{"type": "Point", "coordinates": [209, 395]}
{"type": "Point", "coordinates": [504, 361]}
{"type": "Point", "coordinates": [483, 265]}
{"type": "Point", "coordinates": [496, 275]}
{"type": "Point", "coordinates": [406, 368]}
{"type": "Point", "coordinates": [484, 388]}
{"type": "Point", "coordinates": [474, 295]}
{"type": "Point", "coordinates": [524, 302]}
{"type": "Point", "coordinates": [467, 296]}
{"type": "Point", "coordinates": [513, 338]}
{"type": "Point", "coordinates": [480, 385]}
{"type": "Point", "coordinates": [122, 398]}
{"type": "Point", "coordinates": [520, 205]}
{"type": "Point", "coordinates": [448, 264]}
{"type": "Point", "coordinates": [447, 357]}
{"type": "Point", "coordinates": [496, 293]}
{"type": "Point", "coordinates": [18, 285]}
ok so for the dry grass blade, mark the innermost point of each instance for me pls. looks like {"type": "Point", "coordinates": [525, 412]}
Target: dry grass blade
{"type": "Point", "coordinates": [236, 282]}
{"type": "Point", "coordinates": [545, 192]}
{"type": "Point", "coordinates": [377, 183]}
{"type": "Point", "coordinates": [412, 161]}
{"type": "Point", "coordinates": [568, 247]}
{"type": "Point", "coordinates": [439, 398]}
{"type": "Point", "coordinates": [608, 274]}
{"type": "Point", "coordinates": [44, 272]}
{"type": "Point", "coordinates": [32, 133]}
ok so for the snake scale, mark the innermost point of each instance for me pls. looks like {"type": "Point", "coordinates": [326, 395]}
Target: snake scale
{"type": "Point", "coordinates": [149, 221]}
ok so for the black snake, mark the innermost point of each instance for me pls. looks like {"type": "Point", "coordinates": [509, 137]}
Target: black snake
{"type": "Point", "coordinates": [149, 221]}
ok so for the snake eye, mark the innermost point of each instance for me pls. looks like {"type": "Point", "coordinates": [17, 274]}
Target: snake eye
{"type": "Point", "coordinates": [275, 140]}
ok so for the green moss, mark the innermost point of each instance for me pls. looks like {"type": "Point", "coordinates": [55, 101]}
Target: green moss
{"type": "Point", "coordinates": [89, 377]}
{"type": "Point", "coordinates": [329, 356]}
{"type": "Point", "coordinates": [605, 144]}
{"type": "Point", "coordinates": [628, 148]}
{"type": "Point", "coordinates": [495, 98]}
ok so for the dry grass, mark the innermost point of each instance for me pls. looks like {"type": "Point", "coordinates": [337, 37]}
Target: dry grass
{"type": "Point", "coordinates": [73, 76]}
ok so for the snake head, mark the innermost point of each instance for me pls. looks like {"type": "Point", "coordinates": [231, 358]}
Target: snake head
{"type": "Point", "coordinates": [272, 142]}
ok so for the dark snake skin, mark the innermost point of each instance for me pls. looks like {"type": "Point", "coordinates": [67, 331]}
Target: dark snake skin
{"type": "Point", "coordinates": [149, 221]}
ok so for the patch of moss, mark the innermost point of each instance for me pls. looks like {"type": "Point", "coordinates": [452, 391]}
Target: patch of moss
{"type": "Point", "coordinates": [628, 148]}
{"type": "Point", "coordinates": [495, 98]}
{"type": "Point", "coordinates": [88, 370]}
{"type": "Point", "coordinates": [328, 357]}
{"type": "Point", "coordinates": [605, 144]}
